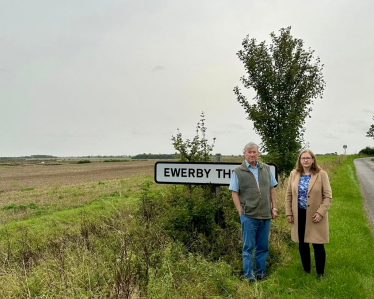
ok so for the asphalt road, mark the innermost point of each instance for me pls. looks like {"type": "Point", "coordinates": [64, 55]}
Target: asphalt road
{"type": "Point", "coordinates": [365, 175]}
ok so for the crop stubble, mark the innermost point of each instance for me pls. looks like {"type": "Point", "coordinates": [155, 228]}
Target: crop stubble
{"type": "Point", "coordinates": [14, 178]}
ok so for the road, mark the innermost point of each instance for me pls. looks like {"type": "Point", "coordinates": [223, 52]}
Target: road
{"type": "Point", "coordinates": [365, 175]}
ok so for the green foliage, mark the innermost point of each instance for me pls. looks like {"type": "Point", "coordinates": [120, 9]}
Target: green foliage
{"type": "Point", "coordinates": [286, 79]}
{"type": "Point", "coordinates": [153, 156]}
{"type": "Point", "coordinates": [14, 207]}
{"type": "Point", "coordinates": [197, 149]}
{"type": "Point", "coordinates": [83, 161]}
{"type": "Point", "coordinates": [203, 223]}
{"type": "Point", "coordinates": [370, 133]}
{"type": "Point", "coordinates": [116, 160]}
{"type": "Point", "coordinates": [367, 151]}
{"type": "Point", "coordinates": [117, 247]}
{"type": "Point", "coordinates": [183, 275]}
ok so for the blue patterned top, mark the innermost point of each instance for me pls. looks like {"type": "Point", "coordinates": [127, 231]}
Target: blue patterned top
{"type": "Point", "coordinates": [303, 190]}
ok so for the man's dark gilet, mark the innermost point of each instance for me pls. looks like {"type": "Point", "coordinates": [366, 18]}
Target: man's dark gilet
{"type": "Point", "coordinates": [255, 202]}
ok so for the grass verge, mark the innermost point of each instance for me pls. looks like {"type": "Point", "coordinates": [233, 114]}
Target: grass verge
{"type": "Point", "coordinates": [125, 244]}
{"type": "Point", "coordinates": [350, 258]}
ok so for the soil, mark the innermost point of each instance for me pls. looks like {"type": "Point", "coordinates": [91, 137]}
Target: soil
{"type": "Point", "coordinates": [14, 177]}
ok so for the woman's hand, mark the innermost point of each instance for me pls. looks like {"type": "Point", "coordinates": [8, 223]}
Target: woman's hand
{"type": "Point", "coordinates": [290, 219]}
{"type": "Point", "coordinates": [317, 217]}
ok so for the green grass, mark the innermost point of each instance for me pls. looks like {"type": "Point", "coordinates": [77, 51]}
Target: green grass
{"type": "Point", "coordinates": [112, 243]}
{"type": "Point", "coordinates": [350, 258]}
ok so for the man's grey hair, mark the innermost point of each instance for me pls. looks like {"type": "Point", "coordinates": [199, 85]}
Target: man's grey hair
{"type": "Point", "coordinates": [250, 145]}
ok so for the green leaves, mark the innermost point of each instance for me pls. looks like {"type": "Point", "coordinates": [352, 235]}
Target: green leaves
{"type": "Point", "coordinates": [197, 149]}
{"type": "Point", "coordinates": [370, 133]}
{"type": "Point", "coordinates": [286, 79]}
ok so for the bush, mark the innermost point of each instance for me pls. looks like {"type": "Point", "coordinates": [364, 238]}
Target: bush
{"type": "Point", "coordinates": [193, 216]}
{"type": "Point", "coordinates": [83, 161]}
{"type": "Point", "coordinates": [367, 151]}
{"type": "Point", "coordinates": [116, 160]}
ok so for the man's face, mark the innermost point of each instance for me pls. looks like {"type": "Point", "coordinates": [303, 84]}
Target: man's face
{"type": "Point", "coordinates": [251, 155]}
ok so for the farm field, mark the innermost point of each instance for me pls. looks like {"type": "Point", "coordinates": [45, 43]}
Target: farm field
{"type": "Point", "coordinates": [34, 189]}
{"type": "Point", "coordinates": [106, 230]}
{"type": "Point", "coordinates": [52, 174]}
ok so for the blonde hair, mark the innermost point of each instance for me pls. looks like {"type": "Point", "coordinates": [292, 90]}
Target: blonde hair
{"type": "Point", "coordinates": [313, 169]}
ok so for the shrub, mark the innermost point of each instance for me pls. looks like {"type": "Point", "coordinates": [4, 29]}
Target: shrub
{"type": "Point", "coordinates": [367, 151]}
{"type": "Point", "coordinates": [83, 161]}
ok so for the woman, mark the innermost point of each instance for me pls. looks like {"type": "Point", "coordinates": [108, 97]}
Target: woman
{"type": "Point", "coordinates": [308, 199]}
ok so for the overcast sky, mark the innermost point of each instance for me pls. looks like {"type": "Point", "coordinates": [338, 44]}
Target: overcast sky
{"type": "Point", "coordinates": [94, 77]}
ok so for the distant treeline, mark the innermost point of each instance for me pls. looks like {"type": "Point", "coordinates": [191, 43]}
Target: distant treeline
{"type": "Point", "coordinates": [104, 157]}
{"type": "Point", "coordinates": [31, 157]}
{"type": "Point", "coordinates": [152, 156]}
{"type": "Point", "coordinates": [367, 151]}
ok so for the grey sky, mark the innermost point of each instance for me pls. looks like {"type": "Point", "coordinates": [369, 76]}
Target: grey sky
{"type": "Point", "coordinates": [119, 77]}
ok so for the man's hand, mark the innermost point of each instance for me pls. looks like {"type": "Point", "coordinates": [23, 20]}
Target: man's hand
{"type": "Point", "coordinates": [290, 219]}
{"type": "Point", "coordinates": [274, 214]}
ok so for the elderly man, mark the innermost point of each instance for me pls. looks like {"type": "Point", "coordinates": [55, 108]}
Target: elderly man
{"type": "Point", "coordinates": [252, 187]}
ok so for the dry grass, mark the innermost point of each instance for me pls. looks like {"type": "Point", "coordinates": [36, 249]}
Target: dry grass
{"type": "Point", "coordinates": [39, 189]}
{"type": "Point", "coordinates": [102, 250]}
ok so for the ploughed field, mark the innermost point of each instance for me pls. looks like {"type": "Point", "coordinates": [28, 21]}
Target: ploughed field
{"type": "Point", "coordinates": [22, 176]}
{"type": "Point", "coordinates": [35, 189]}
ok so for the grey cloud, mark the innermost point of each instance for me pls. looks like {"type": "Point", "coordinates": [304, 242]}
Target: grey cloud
{"type": "Point", "coordinates": [141, 132]}
{"type": "Point", "coordinates": [366, 110]}
{"type": "Point", "coordinates": [158, 68]}
{"type": "Point", "coordinates": [330, 135]}
{"type": "Point", "coordinates": [237, 127]}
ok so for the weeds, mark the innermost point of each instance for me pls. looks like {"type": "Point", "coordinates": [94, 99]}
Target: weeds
{"type": "Point", "coordinates": [139, 240]}
{"type": "Point", "coordinates": [32, 206]}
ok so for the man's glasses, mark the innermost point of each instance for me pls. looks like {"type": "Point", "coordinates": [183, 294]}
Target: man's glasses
{"type": "Point", "coordinates": [306, 158]}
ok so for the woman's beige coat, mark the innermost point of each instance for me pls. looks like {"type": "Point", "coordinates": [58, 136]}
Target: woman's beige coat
{"type": "Point", "coordinates": [318, 200]}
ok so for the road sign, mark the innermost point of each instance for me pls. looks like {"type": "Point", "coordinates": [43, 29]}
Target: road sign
{"type": "Point", "coordinates": [198, 173]}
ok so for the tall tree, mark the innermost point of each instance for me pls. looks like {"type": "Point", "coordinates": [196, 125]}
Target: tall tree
{"type": "Point", "coordinates": [286, 79]}
{"type": "Point", "coordinates": [370, 133]}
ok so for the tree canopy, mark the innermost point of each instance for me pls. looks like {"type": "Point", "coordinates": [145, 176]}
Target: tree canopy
{"type": "Point", "coordinates": [370, 133]}
{"type": "Point", "coordinates": [286, 78]}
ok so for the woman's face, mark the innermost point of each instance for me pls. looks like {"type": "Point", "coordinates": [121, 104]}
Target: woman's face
{"type": "Point", "coordinates": [306, 160]}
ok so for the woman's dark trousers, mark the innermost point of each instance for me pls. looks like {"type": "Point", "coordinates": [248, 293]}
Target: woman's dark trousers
{"type": "Point", "coordinates": [319, 249]}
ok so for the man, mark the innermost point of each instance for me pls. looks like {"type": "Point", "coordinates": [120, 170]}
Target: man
{"type": "Point", "coordinates": [252, 188]}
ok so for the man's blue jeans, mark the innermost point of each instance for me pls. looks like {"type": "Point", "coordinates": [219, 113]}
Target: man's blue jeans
{"type": "Point", "coordinates": [255, 233]}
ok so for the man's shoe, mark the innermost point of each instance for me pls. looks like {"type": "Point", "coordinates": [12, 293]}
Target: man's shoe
{"type": "Point", "coordinates": [263, 277]}
{"type": "Point", "coordinates": [251, 281]}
